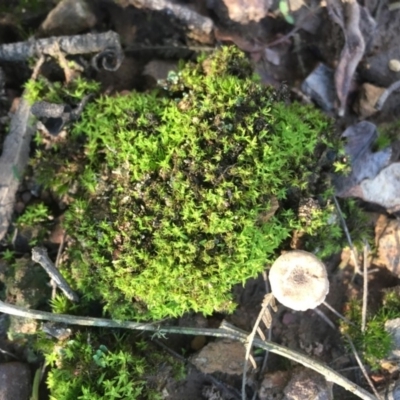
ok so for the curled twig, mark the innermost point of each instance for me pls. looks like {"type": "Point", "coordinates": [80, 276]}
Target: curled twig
{"type": "Point", "coordinates": [106, 44]}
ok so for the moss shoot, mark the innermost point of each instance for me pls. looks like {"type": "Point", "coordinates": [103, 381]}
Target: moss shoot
{"type": "Point", "coordinates": [179, 194]}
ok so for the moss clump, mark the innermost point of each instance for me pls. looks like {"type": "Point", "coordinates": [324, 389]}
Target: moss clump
{"type": "Point", "coordinates": [375, 342]}
{"type": "Point", "coordinates": [175, 199]}
{"type": "Point", "coordinates": [103, 365]}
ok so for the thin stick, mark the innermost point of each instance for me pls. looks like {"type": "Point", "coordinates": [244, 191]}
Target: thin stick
{"type": "Point", "coordinates": [337, 313]}
{"type": "Point", "coordinates": [269, 329]}
{"type": "Point", "coordinates": [9, 354]}
{"type": "Point", "coordinates": [79, 44]}
{"type": "Point", "coordinates": [36, 69]}
{"type": "Point", "coordinates": [361, 365]}
{"type": "Point", "coordinates": [384, 96]}
{"type": "Point", "coordinates": [364, 371]}
{"type": "Point", "coordinates": [249, 341]}
{"type": "Point", "coordinates": [224, 331]}
{"type": "Point", "coordinates": [264, 364]}
{"type": "Point", "coordinates": [365, 288]}
{"type": "Point", "coordinates": [39, 255]}
{"type": "Point", "coordinates": [347, 233]}
{"type": "Point", "coordinates": [324, 317]}
{"type": "Point", "coordinates": [197, 49]}
{"type": "Point", "coordinates": [57, 264]}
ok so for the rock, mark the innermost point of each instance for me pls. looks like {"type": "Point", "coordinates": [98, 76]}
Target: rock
{"type": "Point", "coordinates": [394, 65]}
{"type": "Point", "coordinates": [221, 356]}
{"type": "Point", "coordinates": [26, 286]}
{"type": "Point", "coordinates": [69, 17]}
{"type": "Point", "coordinates": [15, 381]}
{"type": "Point", "coordinates": [244, 11]}
{"type": "Point", "coordinates": [393, 327]}
{"type": "Point", "coordinates": [21, 326]}
{"type": "Point", "coordinates": [307, 384]}
{"type": "Point", "coordinates": [368, 96]}
{"type": "Point", "coordinates": [159, 69]}
{"type": "Point", "coordinates": [273, 384]}
{"type": "Point", "coordinates": [27, 283]}
{"type": "Point", "coordinates": [320, 87]}
{"type": "Point", "coordinates": [394, 391]}
{"type": "Point", "coordinates": [198, 342]}
{"type": "Point", "coordinates": [387, 232]}
{"type": "Point", "coordinates": [57, 233]}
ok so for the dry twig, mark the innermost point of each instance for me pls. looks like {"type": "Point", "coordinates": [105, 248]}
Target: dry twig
{"type": "Point", "coordinates": [365, 287]}
{"type": "Point", "coordinates": [107, 45]}
{"type": "Point", "coordinates": [13, 160]}
{"type": "Point", "coordinates": [330, 308]}
{"type": "Point", "coordinates": [39, 255]}
{"type": "Point", "coordinates": [265, 360]}
{"type": "Point", "coordinates": [200, 27]}
{"type": "Point", "coordinates": [347, 15]}
{"type": "Point", "coordinates": [225, 331]}
{"type": "Point", "coordinates": [359, 362]}
{"type": "Point", "coordinates": [265, 316]}
{"type": "Point", "coordinates": [353, 250]}
{"type": "Point", "coordinates": [361, 365]}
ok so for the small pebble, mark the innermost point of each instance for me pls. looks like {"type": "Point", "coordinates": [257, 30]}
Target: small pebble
{"type": "Point", "coordinates": [394, 65]}
{"type": "Point", "coordinates": [19, 207]}
{"type": "Point", "coordinates": [26, 196]}
{"type": "Point", "coordinates": [289, 318]}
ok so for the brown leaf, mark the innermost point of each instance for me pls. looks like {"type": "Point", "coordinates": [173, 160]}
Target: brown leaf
{"type": "Point", "coordinates": [364, 163]}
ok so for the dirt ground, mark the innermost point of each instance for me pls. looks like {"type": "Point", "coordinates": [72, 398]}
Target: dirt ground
{"type": "Point", "coordinates": [341, 56]}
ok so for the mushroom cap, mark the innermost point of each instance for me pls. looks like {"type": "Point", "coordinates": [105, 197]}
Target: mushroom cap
{"type": "Point", "coordinates": [299, 280]}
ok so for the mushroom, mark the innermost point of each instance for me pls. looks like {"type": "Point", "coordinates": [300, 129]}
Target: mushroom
{"type": "Point", "coordinates": [299, 280]}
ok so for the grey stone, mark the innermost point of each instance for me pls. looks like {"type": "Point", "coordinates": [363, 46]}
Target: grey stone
{"type": "Point", "coordinates": [307, 384]}
{"type": "Point", "coordinates": [69, 17]}
{"type": "Point", "coordinates": [224, 356]}
{"type": "Point", "coordinates": [393, 327]}
{"type": "Point", "coordinates": [15, 381]}
{"type": "Point", "coordinates": [320, 87]}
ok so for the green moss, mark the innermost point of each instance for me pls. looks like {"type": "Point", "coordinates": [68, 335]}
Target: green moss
{"type": "Point", "coordinates": [101, 365]}
{"type": "Point", "coordinates": [388, 133]}
{"type": "Point", "coordinates": [173, 191]}
{"type": "Point", "coordinates": [34, 223]}
{"type": "Point", "coordinates": [375, 343]}
{"type": "Point", "coordinates": [42, 90]}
